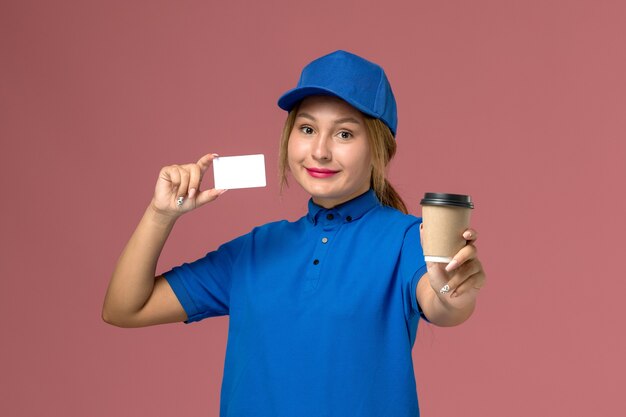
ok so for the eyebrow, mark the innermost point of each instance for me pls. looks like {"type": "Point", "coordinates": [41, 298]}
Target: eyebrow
{"type": "Point", "coordinates": [348, 119]}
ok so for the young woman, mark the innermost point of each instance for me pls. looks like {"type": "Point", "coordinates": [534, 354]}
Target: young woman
{"type": "Point", "coordinates": [323, 311]}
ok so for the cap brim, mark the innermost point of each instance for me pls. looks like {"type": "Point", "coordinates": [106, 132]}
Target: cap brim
{"type": "Point", "coordinates": [288, 100]}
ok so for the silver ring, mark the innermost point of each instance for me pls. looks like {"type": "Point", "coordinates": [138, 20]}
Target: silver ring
{"type": "Point", "coordinates": [445, 289]}
{"type": "Point", "coordinates": [179, 201]}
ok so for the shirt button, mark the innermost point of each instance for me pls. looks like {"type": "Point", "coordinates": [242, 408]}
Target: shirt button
{"type": "Point", "coordinates": [348, 218]}
{"type": "Point", "coordinates": [329, 216]}
{"type": "Point", "coordinates": [315, 262]}
{"type": "Point", "coordinates": [324, 239]}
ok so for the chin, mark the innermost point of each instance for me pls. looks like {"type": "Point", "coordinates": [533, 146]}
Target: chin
{"type": "Point", "coordinates": [322, 194]}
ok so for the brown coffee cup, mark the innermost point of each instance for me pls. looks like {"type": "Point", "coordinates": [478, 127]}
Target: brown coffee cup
{"type": "Point", "coordinates": [444, 219]}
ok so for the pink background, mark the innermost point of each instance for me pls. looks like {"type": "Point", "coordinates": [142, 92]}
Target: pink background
{"type": "Point", "coordinates": [521, 104]}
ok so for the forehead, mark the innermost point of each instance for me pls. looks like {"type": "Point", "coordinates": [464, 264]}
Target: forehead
{"type": "Point", "coordinates": [328, 104]}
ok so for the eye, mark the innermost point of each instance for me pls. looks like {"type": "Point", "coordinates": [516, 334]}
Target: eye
{"type": "Point", "coordinates": [306, 130]}
{"type": "Point", "coordinates": [345, 135]}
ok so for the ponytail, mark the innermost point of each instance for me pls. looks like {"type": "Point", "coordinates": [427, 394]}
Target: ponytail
{"type": "Point", "coordinates": [382, 148]}
{"type": "Point", "coordinates": [390, 197]}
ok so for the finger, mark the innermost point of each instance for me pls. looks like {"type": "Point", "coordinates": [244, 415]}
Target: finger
{"type": "Point", "coordinates": [466, 253]}
{"type": "Point", "coordinates": [184, 182]}
{"type": "Point", "coordinates": [208, 196]}
{"type": "Point", "coordinates": [205, 162]}
{"type": "Point", "coordinates": [463, 273]}
{"type": "Point", "coordinates": [473, 283]}
{"type": "Point", "coordinates": [174, 177]}
{"type": "Point", "coordinates": [470, 234]}
{"type": "Point", "coordinates": [194, 179]}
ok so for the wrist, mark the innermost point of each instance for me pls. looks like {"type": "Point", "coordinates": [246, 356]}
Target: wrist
{"type": "Point", "coordinates": [158, 217]}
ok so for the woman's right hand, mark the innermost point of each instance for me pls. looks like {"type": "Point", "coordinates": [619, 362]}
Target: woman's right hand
{"type": "Point", "coordinates": [183, 181]}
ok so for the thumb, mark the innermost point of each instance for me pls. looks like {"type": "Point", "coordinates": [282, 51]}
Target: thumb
{"type": "Point", "coordinates": [206, 161]}
{"type": "Point", "coordinates": [207, 196]}
{"type": "Point", "coordinates": [437, 274]}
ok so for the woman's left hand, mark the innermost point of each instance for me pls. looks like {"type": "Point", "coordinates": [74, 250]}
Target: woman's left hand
{"type": "Point", "coordinates": [463, 276]}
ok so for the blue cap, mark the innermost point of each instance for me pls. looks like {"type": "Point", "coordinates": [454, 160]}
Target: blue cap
{"type": "Point", "coordinates": [359, 82]}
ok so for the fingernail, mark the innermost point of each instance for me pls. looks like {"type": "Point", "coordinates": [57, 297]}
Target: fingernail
{"type": "Point", "coordinates": [223, 191]}
{"type": "Point", "coordinates": [452, 265]}
{"type": "Point", "coordinates": [192, 192]}
{"type": "Point", "coordinates": [467, 235]}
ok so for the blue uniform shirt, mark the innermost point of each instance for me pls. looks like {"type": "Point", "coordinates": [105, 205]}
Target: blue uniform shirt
{"type": "Point", "coordinates": [323, 314]}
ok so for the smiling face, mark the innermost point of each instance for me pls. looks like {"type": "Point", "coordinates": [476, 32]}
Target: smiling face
{"type": "Point", "coordinates": [328, 150]}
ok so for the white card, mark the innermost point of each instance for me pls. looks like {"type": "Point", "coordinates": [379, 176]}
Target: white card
{"type": "Point", "coordinates": [246, 171]}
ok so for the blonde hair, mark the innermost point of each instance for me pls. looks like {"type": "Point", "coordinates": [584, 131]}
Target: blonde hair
{"type": "Point", "coordinates": [382, 149]}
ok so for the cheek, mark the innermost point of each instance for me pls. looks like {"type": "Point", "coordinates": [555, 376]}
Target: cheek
{"type": "Point", "coordinates": [364, 161]}
{"type": "Point", "coordinates": [294, 149]}
{"type": "Point", "coordinates": [291, 154]}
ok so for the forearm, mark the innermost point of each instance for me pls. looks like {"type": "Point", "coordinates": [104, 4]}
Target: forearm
{"type": "Point", "coordinates": [439, 311]}
{"type": "Point", "coordinates": [132, 281]}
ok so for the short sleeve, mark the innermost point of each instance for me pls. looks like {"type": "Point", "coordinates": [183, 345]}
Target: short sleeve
{"type": "Point", "coordinates": [203, 286]}
{"type": "Point", "coordinates": [411, 269]}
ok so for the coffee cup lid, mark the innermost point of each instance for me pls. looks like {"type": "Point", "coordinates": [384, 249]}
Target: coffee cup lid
{"type": "Point", "coordinates": [443, 199]}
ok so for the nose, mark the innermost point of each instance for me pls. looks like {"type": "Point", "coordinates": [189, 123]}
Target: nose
{"type": "Point", "coordinates": [321, 148]}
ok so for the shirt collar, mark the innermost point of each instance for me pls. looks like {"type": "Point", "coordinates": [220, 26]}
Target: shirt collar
{"type": "Point", "coordinates": [350, 210]}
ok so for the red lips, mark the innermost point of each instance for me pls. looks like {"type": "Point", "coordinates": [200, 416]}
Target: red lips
{"type": "Point", "coordinates": [321, 172]}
